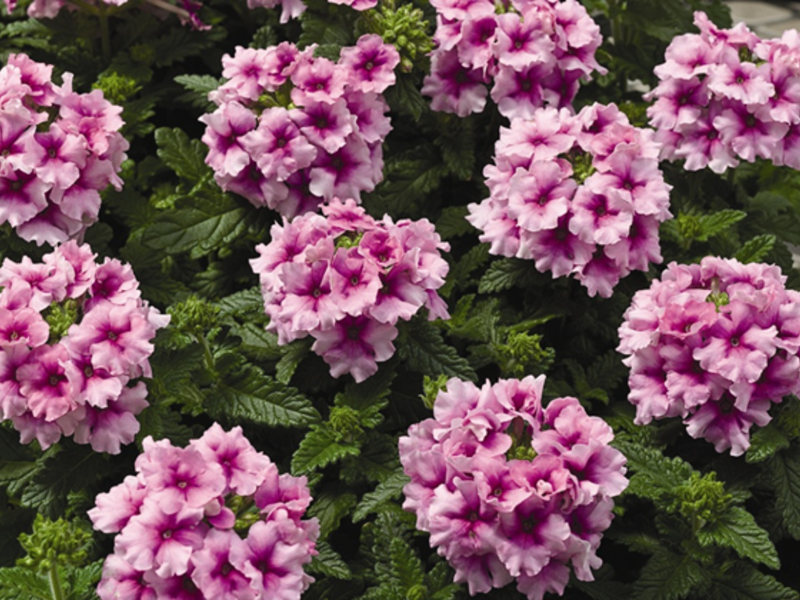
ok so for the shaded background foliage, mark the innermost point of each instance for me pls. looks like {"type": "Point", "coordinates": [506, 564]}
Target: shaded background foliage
{"type": "Point", "coordinates": [693, 523]}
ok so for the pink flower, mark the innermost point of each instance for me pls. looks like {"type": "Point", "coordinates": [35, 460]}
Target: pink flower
{"type": "Point", "coordinates": [494, 518]}
{"type": "Point", "coordinates": [371, 63]}
{"type": "Point", "coordinates": [718, 367]}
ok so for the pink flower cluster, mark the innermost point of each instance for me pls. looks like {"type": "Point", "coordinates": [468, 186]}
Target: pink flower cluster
{"type": "Point", "coordinates": [346, 279]}
{"type": "Point", "coordinates": [212, 520]}
{"type": "Point", "coordinates": [536, 51]}
{"type": "Point", "coordinates": [579, 194]}
{"type": "Point", "coordinates": [292, 131]}
{"type": "Point", "coordinates": [58, 151]}
{"type": "Point", "coordinates": [509, 489]}
{"type": "Point", "coordinates": [186, 10]}
{"type": "Point", "coordinates": [77, 383]}
{"type": "Point", "coordinates": [725, 95]}
{"type": "Point", "coordinates": [715, 344]}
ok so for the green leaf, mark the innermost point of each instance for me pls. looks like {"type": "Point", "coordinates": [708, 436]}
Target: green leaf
{"type": "Point", "coordinates": [404, 96]}
{"type": "Point", "coordinates": [331, 506]}
{"type": "Point", "coordinates": [184, 156]}
{"type": "Point", "coordinates": [198, 87]}
{"type": "Point", "coordinates": [785, 477]}
{"type": "Point", "coordinates": [199, 230]}
{"type": "Point", "coordinates": [19, 583]}
{"type": "Point", "coordinates": [293, 355]}
{"type": "Point", "coordinates": [756, 248]}
{"type": "Point", "coordinates": [369, 397]}
{"type": "Point", "coordinates": [765, 442]}
{"type": "Point", "coordinates": [668, 576]}
{"type": "Point", "coordinates": [328, 562]}
{"type": "Point", "coordinates": [411, 176]}
{"type": "Point", "coordinates": [69, 469]}
{"type": "Point", "coordinates": [737, 529]}
{"type": "Point", "coordinates": [504, 274]}
{"type": "Point", "coordinates": [747, 583]}
{"type": "Point", "coordinates": [319, 448]}
{"type": "Point", "coordinates": [17, 462]}
{"type": "Point", "coordinates": [406, 565]}
{"type": "Point", "coordinates": [654, 475]}
{"type": "Point", "coordinates": [242, 304]}
{"type": "Point", "coordinates": [259, 343]}
{"type": "Point", "coordinates": [459, 277]}
{"type": "Point", "coordinates": [714, 224]}
{"type": "Point", "coordinates": [424, 350]}
{"type": "Point", "coordinates": [324, 29]}
{"type": "Point", "coordinates": [387, 490]}
{"type": "Point", "coordinates": [453, 223]}
{"type": "Point", "coordinates": [252, 396]}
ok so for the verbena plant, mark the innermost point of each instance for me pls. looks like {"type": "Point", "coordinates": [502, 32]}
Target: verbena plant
{"type": "Point", "coordinates": [392, 300]}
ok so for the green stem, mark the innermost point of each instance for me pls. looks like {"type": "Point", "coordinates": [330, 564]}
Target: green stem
{"type": "Point", "coordinates": [55, 583]}
{"type": "Point", "coordinates": [210, 364]}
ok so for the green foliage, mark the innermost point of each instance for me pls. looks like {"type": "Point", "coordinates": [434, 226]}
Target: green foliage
{"type": "Point", "coordinates": [784, 472]}
{"type": "Point", "coordinates": [670, 576]}
{"type": "Point", "coordinates": [425, 351]}
{"type": "Point", "coordinates": [249, 395]}
{"type": "Point", "coordinates": [184, 156]}
{"type": "Point", "coordinates": [737, 529]}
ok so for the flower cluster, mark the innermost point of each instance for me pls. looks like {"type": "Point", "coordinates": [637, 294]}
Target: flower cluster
{"type": "Point", "coordinates": [509, 489]}
{"type": "Point", "coordinates": [579, 194]}
{"type": "Point", "coordinates": [536, 51]}
{"type": "Point", "coordinates": [58, 151]}
{"type": "Point", "coordinates": [346, 279]}
{"type": "Point", "coordinates": [292, 130]}
{"type": "Point", "coordinates": [715, 344]}
{"type": "Point", "coordinates": [725, 95]}
{"type": "Point", "coordinates": [73, 336]}
{"type": "Point", "coordinates": [212, 520]}
{"type": "Point", "coordinates": [186, 10]}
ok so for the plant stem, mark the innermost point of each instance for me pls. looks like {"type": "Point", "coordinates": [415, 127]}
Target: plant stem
{"type": "Point", "coordinates": [55, 583]}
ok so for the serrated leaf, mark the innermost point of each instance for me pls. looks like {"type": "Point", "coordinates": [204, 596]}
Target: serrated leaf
{"type": "Point", "coordinates": [668, 576]}
{"type": "Point", "coordinates": [406, 565]}
{"type": "Point", "coordinates": [785, 478]}
{"type": "Point", "coordinates": [242, 303]}
{"type": "Point", "coordinates": [323, 29]}
{"type": "Point", "coordinates": [319, 448]}
{"type": "Point", "coordinates": [405, 96]}
{"type": "Point", "coordinates": [411, 176]}
{"type": "Point", "coordinates": [259, 343]}
{"type": "Point", "coordinates": [17, 463]}
{"type": "Point", "coordinates": [254, 397]}
{"type": "Point", "coordinates": [714, 224]}
{"type": "Point", "coordinates": [737, 529]}
{"type": "Point", "coordinates": [184, 156]}
{"type": "Point", "coordinates": [765, 442]}
{"type": "Point", "coordinates": [73, 468]}
{"type": "Point", "coordinates": [293, 355]}
{"type": "Point", "coordinates": [750, 584]}
{"type": "Point", "coordinates": [199, 230]}
{"type": "Point", "coordinates": [756, 248]}
{"type": "Point", "coordinates": [19, 583]}
{"type": "Point", "coordinates": [653, 473]}
{"type": "Point", "coordinates": [504, 274]}
{"type": "Point", "coordinates": [377, 462]}
{"type": "Point", "coordinates": [459, 277]}
{"type": "Point", "coordinates": [425, 351]}
{"type": "Point", "coordinates": [198, 88]}
{"type": "Point", "coordinates": [388, 489]}
{"type": "Point", "coordinates": [453, 223]}
{"type": "Point", "coordinates": [331, 506]}
{"type": "Point", "coordinates": [328, 562]}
